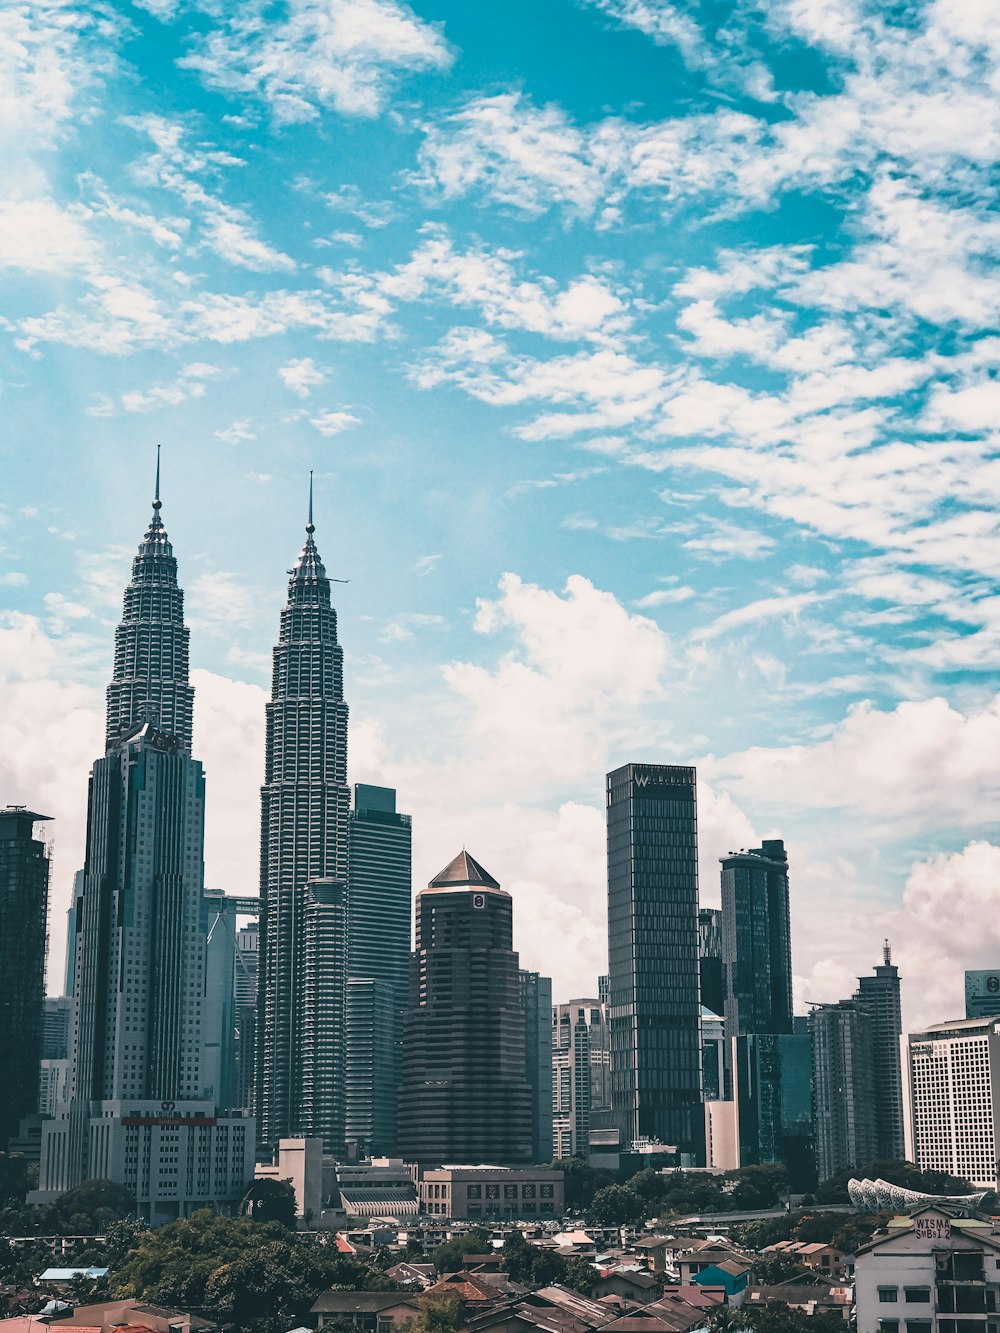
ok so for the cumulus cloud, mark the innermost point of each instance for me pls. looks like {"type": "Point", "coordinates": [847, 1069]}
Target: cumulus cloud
{"type": "Point", "coordinates": [301, 375]}
{"type": "Point", "coordinates": [342, 55]}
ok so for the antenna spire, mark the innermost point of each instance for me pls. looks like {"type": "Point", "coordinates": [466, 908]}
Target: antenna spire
{"type": "Point", "coordinates": [310, 528]}
{"type": "Point", "coordinates": [156, 494]}
{"type": "Point", "coordinates": [886, 952]}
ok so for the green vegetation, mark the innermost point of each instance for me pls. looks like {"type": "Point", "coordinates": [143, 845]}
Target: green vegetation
{"type": "Point", "coordinates": [450, 1257]}
{"type": "Point", "coordinates": [773, 1317]}
{"type": "Point", "coordinates": [534, 1267]}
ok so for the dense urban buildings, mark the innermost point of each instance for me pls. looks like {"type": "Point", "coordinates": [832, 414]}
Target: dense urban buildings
{"type": "Point", "coordinates": [136, 1081]}
{"type": "Point", "coordinates": [305, 803]}
{"type": "Point", "coordinates": [464, 1096]}
{"type": "Point", "coordinates": [982, 993]}
{"type": "Point", "coordinates": [380, 906]}
{"type": "Point", "coordinates": [653, 946]}
{"type": "Point", "coordinates": [951, 1088]}
{"type": "Point", "coordinates": [536, 1001]}
{"type": "Point", "coordinates": [581, 1073]}
{"type": "Point", "coordinates": [843, 1087]}
{"type": "Point", "coordinates": [879, 995]}
{"type": "Point", "coordinates": [24, 900]}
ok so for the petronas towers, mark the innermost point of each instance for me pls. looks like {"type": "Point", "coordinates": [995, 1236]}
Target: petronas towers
{"type": "Point", "coordinates": [305, 807]}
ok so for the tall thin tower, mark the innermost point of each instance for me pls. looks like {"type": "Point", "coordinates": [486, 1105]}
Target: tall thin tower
{"type": "Point", "coordinates": [305, 805]}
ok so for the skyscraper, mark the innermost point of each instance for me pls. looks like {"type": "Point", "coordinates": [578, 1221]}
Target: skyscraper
{"type": "Point", "coordinates": [464, 1097]}
{"type": "Point", "coordinates": [982, 993]}
{"type": "Point", "coordinates": [843, 1087]}
{"type": "Point", "coordinates": [305, 804]}
{"type": "Point", "coordinates": [380, 909]}
{"type": "Point", "coordinates": [756, 940]}
{"type": "Point", "coordinates": [879, 995]}
{"type": "Point", "coordinates": [245, 995]}
{"type": "Point", "coordinates": [536, 1000]}
{"type": "Point", "coordinates": [653, 956]}
{"type": "Point", "coordinates": [711, 972]}
{"type": "Point", "coordinates": [24, 898]}
{"type": "Point", "coordinates": [136, 1113]}
{"type": "Point", "coordinates": [581, 1073]}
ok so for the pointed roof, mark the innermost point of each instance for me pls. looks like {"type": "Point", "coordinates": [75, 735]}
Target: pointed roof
{"type": "Point", "coordinates": [463, 871]}
{"type": "Point", "coordinates": [309, 566]}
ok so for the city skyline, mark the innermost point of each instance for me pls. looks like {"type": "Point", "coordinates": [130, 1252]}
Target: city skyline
{"type": "Point", "coordinates": [645, 367]}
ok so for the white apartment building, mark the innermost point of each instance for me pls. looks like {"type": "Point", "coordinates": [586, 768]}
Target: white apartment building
{"type": "Point", "coordinates": [581, 1073]}
{"type": "Point", "coordinates": [935, 1270]}
{"type": "Point", "coordinates": [951, 1091]}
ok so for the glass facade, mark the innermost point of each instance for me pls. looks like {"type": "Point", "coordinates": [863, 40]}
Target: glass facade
{"type": "Point", "coordinates": [756, 940]}
{"type": "Point", "coordinates": [654, 954]}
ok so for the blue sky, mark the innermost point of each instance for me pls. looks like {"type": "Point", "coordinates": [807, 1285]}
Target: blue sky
{"type": "Point", "coordinates": [645, 354]}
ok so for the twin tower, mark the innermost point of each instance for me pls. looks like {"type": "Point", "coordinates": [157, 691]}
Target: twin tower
{"type": "Point", "coordinates": [335, 902]}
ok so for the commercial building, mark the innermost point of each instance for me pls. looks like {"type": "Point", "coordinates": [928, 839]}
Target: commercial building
{"type": "Point", "coordinates": [756, 940]}
{"type": "Point", "coordinates": [711, 969]}
{"type": "Point", "coordinates": [879, 995]}
{"type": "Point", "coordinates": [536, 1001]}
{"type": "Point", "coordinates": [464, 1096]}
{"type": "Point", "coordinates": [951, 1089]}
{"type": "Point", "coordinates": [54, 1078]}
{"type": "Point", "coordinates": [982, 993]}
{"type": "Point", "coordinates": [380, 908]}
{"type": "Point", "coordinates": [713, 1056]}
{"type": "Point", "coordinates": [654, 956]}
{"type": "Point", "coordinates": [581, 1073]}
{"type": "Point", "coordinates": [470, 1193]}
{"type": "Point", "coordinates": [136, 1112]}
{"type": "Point", "coordinates": [24, 900]}
{"type": "Point", "coordinates": [843, 1087]}
{"type": "Point", "coordinates": [773, 1091]}
{"type": "Point", "coordinates": [305, 803]}
{"type": "Point", "coordinates": [224, 976]}
{"type": "Point", "coordinates": [933, 1270]}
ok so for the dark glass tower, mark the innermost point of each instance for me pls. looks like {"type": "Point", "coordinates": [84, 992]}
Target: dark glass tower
{"type": "Point", "coordinates": [139, 943]}
{"type": "Point", "coordinates": [24, 898]}
{"type": "Point", "coordinates": [879, 994]}
{"type": "Point", "coordinates": [756, 940]}
{"type": "Point", "coordinates": [653, 956]}
{"type": "Point", "coordinates": [711, 971]}
{"type": "Point", "coordinates": [464, 1096]}
{"type": "Point", "coordinates": [536, 1000]}
{"type": "Point", "coordinates": [305, 803]}
{"type": "Point", "coordinates": [380, 911]}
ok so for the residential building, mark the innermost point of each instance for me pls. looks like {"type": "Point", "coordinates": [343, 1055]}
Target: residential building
{"type": "Point", "coordinates": [464, 1096]}
{"type": "Point", "coordinates": [470, 1193]}
{"type": "Point", "coordinates": [711, 969]}
{"type": "Point", "coordinates": [378, 947]}
{"type": "Point", "coordinates": [843, 1096]}
{"type": "Point", "coordinates": [654, 956]}
{"type": "Point", "coordinates": [365, 1311]}
{"type": "Point", "coordinates": [581, 1073]}
{"type": "Point", "coordinates": [756, 940]}
{"type": "Point", "coordinates": [136, 1112]}
{"type": "Point", "coordinates": [935, 1269]}
{"type": "Point", "coordinates": [951, 1091]}
{"type": "Point", "coordinates": [982, 993]}
{"type": "Point", "coordinates": [879, 994]}
{"type": "Point", "coordinates": [24, 901]}
{"type": "Point", "coordinates": [536, 1000]}
{"type": "Point", "coordinates": [305, 802]}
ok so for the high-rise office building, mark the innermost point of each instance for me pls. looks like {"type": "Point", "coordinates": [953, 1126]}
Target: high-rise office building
{"type": "Point", "coordinates": [653, 956]}
{"type": "Point", "coordinates": [53, 1085]}
{"type": "Point", "coordinates": [380, 908]}
{"type": "Point", "coordinates": [879, 994]}
{"type": "Point", "coordinates": [711, 971]}
{"type": "Point", "coordinates": [581, 1073]}
{"type": "Point", "coordinates": [24, 899]}
{"type": "Point", "coordinates": [843, 1087]}
{"type": "Point", "coordinates": [536, 1000]}
{"type": "Point", "coordinates": [69, 966]}
{"type": "Point", "coordinates": [245, 967]}
{"type": "Point", "coordinates": [305, 803]}
{"type": "Point", "coordinates": [982, 993]}
{"type": "Point", "coordinates": [772, 1077]}
{"type": "Point", "coordinates": [952, 1099]}
{"type": "Point", "coordinates": [464, 1097]}
{"type": "Point", "coordinates": [756, 940]}
{"type": "Point", "coordinates": [140, 932]}
{"type": "Point", "coordinates": [226, 988]}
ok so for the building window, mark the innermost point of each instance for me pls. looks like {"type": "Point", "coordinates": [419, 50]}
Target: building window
{"type": "Point", "coordinates": [888, 1326]}
{"type": "Point", "coordinates": [917, 1295]}
{"type": "Point", "coordinates": [918, 1326]}
{"type": "Point", "coordinates": [886, 1295]}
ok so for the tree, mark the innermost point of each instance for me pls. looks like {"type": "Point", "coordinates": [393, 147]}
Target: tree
{"type": "Point", "coordinates": [531, 1266]}
{"type": "Point", "coordinates": [758, 1186]}
{"type": "Point", "coordinates": [581, 1182]}
{"type": "Point", "coordinates": [270, 1201]}
{"type": "Point", "coordinates": [772, 1268]}
{"type": "Point", "coordinates": [618, 1205]}
{"type": "Point", "coordinates": [450, 1257]}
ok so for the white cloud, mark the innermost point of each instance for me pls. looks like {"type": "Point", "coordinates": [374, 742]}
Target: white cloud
{"type": "Point", "coordinates": [408, 623]}
{"type": "Point", "coordinates": [13, 579]}
{"type": "Point", "coordinates": [301, 375]}
{"type": "Point", "coordinates": [190, 382]}
{"type": "Point", "coordinates": [342, 55]}
{"type": "Point", "coordinates": [766, 608]}
{"type": "Point", "coordinates": [39, 236]}
{"type": "Point", "coordinates": [237, 432]}
{"type": "Point", "coordinates": [333, 423]}
{"type": "Point", "coordinates": [427, 564]}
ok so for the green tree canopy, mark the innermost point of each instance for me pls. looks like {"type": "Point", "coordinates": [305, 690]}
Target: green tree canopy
{"type": "Point", "coordinates": [618, 1205]}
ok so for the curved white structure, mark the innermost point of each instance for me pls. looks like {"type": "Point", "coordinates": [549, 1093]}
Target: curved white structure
{"type": "Point", "coordinates": [871, 1196]}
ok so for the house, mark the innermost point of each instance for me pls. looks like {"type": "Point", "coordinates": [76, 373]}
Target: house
{"type": "Point", "coordinates": [820, 1258]}
{"type": "Point", "coordinates": [811, 1293]}
{"type": "Point", "coordinates": [365, 1311]}
{"type": "Point", "coordinates": [65, 1277]}
{"type": "Point", "coordinates": [477, 1291]}
{"type": "Point", "coordinates": [412, 1275]}
{"type": "Point", "coordinates": [732, 1275]}
{"type": "Point", "coordinates": [107, 1315]}
{"type": "Point", "coordinates": [634, 1283]}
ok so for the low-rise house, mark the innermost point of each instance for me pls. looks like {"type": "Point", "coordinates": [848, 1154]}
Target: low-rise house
{"type": "Point", "coordinates": [638, 1285]}
{"type": "Point", "coordinates": [65, 1277]}
{"type": "Point", "coordinates": [811, 1293]}
{"type": "Point", "coordinates": [365, 1311]}
{"type": "Point", "coordinates": [412, 1275]}
{"type": "Point", "coordinates": [107, 1315]}
{"type": "Point", "coordinates": [814, 1255]}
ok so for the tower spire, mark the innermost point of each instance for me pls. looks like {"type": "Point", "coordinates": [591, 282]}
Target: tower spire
{"type": "Point", "coordinates": [310, 528]}
{"type": "Point", "coordinates": [156, 493]}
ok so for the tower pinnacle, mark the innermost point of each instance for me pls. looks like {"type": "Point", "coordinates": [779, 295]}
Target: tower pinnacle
{"type": "Point", "coordinates": [310, 528]}
{"type": "Point", "coordinates": [156, 493]}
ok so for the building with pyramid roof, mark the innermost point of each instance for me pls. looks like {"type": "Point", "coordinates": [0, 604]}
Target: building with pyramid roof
{"type": "Point", "coordinates": [464, 1096]}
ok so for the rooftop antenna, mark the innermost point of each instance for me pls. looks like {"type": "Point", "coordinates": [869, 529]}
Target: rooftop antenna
{"type": "Point", "coordinates": [156, 494]}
